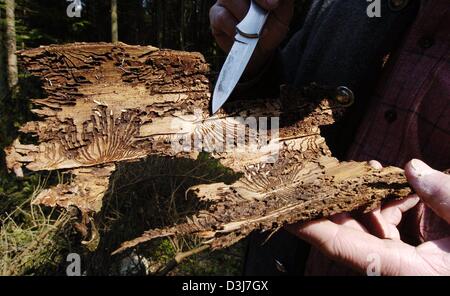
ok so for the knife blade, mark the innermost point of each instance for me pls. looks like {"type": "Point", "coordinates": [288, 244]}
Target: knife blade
{"type": "Point", "coordinates": [246, 40]}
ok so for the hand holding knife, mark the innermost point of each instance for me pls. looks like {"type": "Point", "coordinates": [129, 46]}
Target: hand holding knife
{"type": "Point", "coordinates": [246, 40]}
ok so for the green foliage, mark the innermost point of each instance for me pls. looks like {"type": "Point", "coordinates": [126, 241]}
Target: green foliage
{"type": "Point", "coordinates": [33, 240]}
{"type": "Point", "coordinates": [227, 262]}
{"type": "Point", "coordinates": [14, 111]}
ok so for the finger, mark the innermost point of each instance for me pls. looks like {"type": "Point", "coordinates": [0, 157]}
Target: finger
{"type": "Point", "coordinates": [345, 219]}
{"type": "Point", "coordinates": [375, 164]}
{"type": "Point", "coordinates": [238, 8]}
{"type": "Point", "coordinates": [378, 226]}
{"type": "Point", "coordinates": [392, 212]}
{"type": "Point", "coordinates": [284, 12]}
{"type": "Point", "coordinates": [354, 248]}
{"type": "Point", "coordinates": [432, 186]}
{"type": "Point", "coordinates": [276, 28]}
{"type": "Point", "coordinates": [222, 21]}
{"type": "Point", "coordinates": [391, 215]}
{"type": "Point", "coordinates": [383, 222]}
{"type": "Point", "coordinates": [269, 4]}
{"type": "Point", "coordinates": [223, 26]}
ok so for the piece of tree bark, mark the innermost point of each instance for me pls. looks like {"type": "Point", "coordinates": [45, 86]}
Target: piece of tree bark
{"type": "Point", "coordinates": [109, 104]}
{"type": "Point", "coordinates": [101, 107]}
{"type": "Point", "coordinates": [11, 43]}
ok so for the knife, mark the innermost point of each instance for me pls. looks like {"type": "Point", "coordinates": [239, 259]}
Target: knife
{"type": "Point", "coordinates": [247, 37]}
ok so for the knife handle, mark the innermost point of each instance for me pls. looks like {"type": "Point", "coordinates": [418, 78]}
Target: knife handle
{"type": "Point", "coordinates": [253, 23]}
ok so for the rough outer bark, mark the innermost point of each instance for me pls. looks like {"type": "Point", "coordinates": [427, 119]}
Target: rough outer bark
{"type": "Point", "coordinates": [11, 43]}
{"type": "Point", "coordinates": [109, 104]}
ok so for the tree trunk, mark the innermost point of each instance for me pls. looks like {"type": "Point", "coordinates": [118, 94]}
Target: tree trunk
{"type": "Point", "coordinates": [3, 80]}
{"type": "Point", "coordinates": [182, 24]}
{"type": "Point", "coordinates": [114, 104]}
{"type": "Point", "coordinates": [160, 20]}
{"type": "Point", "coordinates": [11, 43]}
{"type": "Point", "coordinates": [114, 22]}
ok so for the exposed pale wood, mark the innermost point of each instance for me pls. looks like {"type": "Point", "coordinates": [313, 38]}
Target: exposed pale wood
{"type": "Point", "coordinates": [110, 104]}
{"type": "Point", "coordinates": [85, 191]}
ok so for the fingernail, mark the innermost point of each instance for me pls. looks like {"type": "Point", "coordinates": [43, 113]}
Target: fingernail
{"type": "Point", "coordinates": [420, 168]}
{"type": "Point", "coordinates": [375, 164]}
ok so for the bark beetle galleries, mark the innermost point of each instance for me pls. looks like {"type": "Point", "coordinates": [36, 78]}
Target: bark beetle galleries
{"type": "Point", "coordinates": [113, 103]}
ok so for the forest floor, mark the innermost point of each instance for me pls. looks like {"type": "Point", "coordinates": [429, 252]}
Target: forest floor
{"type": "Point", "coordinates": [35, 240]}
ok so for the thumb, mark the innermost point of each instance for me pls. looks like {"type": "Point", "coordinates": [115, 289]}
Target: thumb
{"type": "Point", "coordinates": [432, 186]}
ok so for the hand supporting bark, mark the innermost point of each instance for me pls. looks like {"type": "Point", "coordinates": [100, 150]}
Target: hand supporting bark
{"type": "Point", "coordinates": [346, 240]}
{"type": "Point", "coordinates": [226, 14]}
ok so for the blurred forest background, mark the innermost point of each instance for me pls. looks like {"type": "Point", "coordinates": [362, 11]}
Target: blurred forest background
{"type": "Point", "coordinates": [35, 240]}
